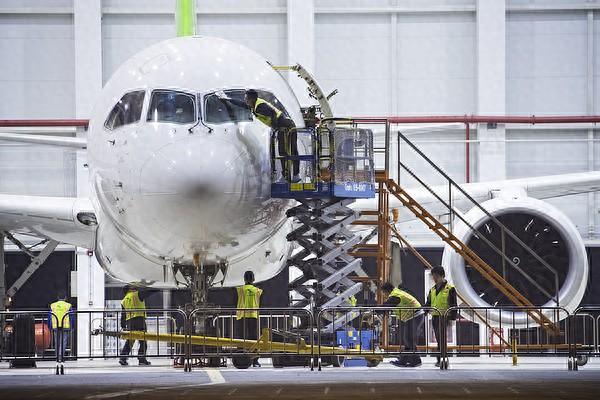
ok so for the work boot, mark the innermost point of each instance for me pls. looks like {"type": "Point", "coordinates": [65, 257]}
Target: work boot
{"type": "Point", "coordinates": [437, 364]}
{"type": "Point", "coordinates": [255, 363]}
{"type": "Point", "coordinates": [123, 362]}
{"type": "Point", "coordinates": [143, 361]}
{"type": "Point", "coordinates": [398, 363]}
{"type": "Point", "coordinates": [296, 178]}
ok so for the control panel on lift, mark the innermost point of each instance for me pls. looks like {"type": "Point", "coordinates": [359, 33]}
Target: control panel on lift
{"type": "Point", "coordinates": [323, 162]}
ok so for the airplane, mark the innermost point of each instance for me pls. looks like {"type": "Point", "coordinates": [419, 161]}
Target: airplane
{"type": "Point", "coordinates": [179, 180]}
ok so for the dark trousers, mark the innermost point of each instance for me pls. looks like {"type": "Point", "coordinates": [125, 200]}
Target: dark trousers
{"type": "Point", "coordinates": [439, 331]}
{"type": "Point", "coordinates": [61, 337]}
{"type": "Point", "coordinates": [287, 145]}
{"type": "Point", "coordinates": [135, 324]}
{"type": "Point", "coordinates": [409, 332]}
{"type": "Point", "coordinates": [246, 328]}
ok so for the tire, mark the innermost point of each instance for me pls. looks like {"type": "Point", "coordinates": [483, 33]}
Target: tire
{"type": "Point", "coordinates": [214, 362]}
{"type": "Point", "coordinates": [372, 363]}
{"type": "Point", "coordinates": [277, 362]}
{"type": "Point", "coordinates": [241, 362]}
{"type": "Point", "coordinates": [582, 360]}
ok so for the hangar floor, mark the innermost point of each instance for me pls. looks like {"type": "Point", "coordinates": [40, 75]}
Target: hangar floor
{"type": "Point", "coordinates": [469, 378]}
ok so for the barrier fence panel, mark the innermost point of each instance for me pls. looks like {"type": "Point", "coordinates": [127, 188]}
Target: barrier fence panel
{"type": "Point", "coordinates": [141, 334]}
{"type": "Point", "coordinates": [285, 335]}
{"type": "Point", "coordinates": [507, 331]}
{"type": "Point", "coordinates": [365, 335]}
{"type": "Point", "coordinates": [27, 337]}
{"type": "Point", "coordinates": [584, 337]}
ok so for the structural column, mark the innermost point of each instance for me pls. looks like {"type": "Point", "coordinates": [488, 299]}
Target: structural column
{"type": "Point", "coordinates": [491, 88]}
{"type": "Point", "coordinates": [88, 84]}
{"type": "Point", "coordinates": [2, 277]}
{"type": "Point", "coordinates": [301, 43]}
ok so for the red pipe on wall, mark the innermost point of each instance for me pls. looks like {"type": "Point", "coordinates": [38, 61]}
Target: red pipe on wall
{"type": "Point", "coordinates": [483, 119]}
{"type": "Point", "coordinates": [36, 123]}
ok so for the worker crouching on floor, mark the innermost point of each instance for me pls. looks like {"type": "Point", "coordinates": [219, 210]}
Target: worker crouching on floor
{"type": "Point", "coordinates": [133, 318]}
{"type": "Point", "coordinates": [248, 296]}
{"type": "Point", "coordinates": [410, 323]}
{"type": "Point", "coordinates": [441, 297]}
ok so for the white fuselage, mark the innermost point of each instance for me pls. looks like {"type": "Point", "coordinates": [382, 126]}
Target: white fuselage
{"type": "Point", "coordinates": [169, 190]}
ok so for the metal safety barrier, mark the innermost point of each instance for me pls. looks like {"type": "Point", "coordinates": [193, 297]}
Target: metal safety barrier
{"type": "Point", "coordinates": [585, 331]}
{"type": "Point", "coordinates": [27, 338]}
{"type": "Point", "coordinates": [512, 331]}
{"type": "Point", "coordinates": [247, 334]}
{"type": "Point", "coordinates": [365, 335]}
{"type": "Point", "coordinates": [114, 333]}
{"type": "Point", "coordinates": [289, 336]}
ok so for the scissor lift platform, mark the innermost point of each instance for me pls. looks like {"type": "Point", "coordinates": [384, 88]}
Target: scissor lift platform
{"type": "Point", "coordinates": [336, 167]}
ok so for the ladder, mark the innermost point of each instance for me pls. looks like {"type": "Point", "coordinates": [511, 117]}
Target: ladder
{"type": "Point", "coordinates": [469, 255]}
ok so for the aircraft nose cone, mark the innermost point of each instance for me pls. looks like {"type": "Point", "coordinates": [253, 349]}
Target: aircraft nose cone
{"type": "Point", "coordinates": [195, 188]}
{"type": "Point", "coordinates": [199, 170]}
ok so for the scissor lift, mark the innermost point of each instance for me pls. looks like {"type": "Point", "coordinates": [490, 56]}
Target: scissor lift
{"type": "Point", "coordinates": [336, 167]}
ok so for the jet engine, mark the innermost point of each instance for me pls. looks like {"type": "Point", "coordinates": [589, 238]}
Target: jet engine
{"type": "Point", "coordinates": [559, 280]}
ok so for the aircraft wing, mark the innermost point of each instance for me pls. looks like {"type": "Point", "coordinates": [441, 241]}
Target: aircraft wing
{"type": "Point", "coordinates": [62, 141]}
{"type": "Point", "coordinates": [66, 220]}
{"type": "Point", "coordinates": [541, 187]}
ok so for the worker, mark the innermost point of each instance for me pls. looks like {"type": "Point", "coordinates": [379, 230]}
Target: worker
{"type": "Point", "coordinates": [279, 122]}
{"type": "Point", "coordinates": [441, 297]}
{"type": "Point", "coordinates": [133, 318]}
{"type": "Point", "coordinates": [248, 297]}
{"type": "Point", "coordinates": [410, 322]}
{"type": "Point", "coordinates": [60, 320]}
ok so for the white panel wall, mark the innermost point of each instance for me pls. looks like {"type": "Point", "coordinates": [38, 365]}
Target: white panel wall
{"type": "Point", "coordinates": [36, 66]}
{"type": "Point", "coordinates": [353, 56]}
{"type": "Point", "coordinates": [37, 170]}
{"type": "Point", "coordinates": [548, 152]}
{"type": "Point", "coordinates": [125, 35]}
{"type": "Point", "coordinates": [263, 33]}
{"type": "Point", "coordinates": [546, 63]}
{"type": "Point", "coordinates": [436, 64]}
{"type": "Point", "coordinates": [36, 81]}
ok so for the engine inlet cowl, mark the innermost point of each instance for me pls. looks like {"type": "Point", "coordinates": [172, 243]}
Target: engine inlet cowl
{"type": "Point", "coordinates": [562, 275]}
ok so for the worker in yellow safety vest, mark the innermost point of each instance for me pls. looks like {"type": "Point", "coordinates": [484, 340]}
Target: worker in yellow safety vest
{"type": "Point", "coordinates": [133, 318]}
{"type": "Point", "coordinates": [441, 297]}
{"type": "Point", "coordinates": [248, 297]}
{"type": "Point", "coordinates": [60, 321]}
{"type": "Point", "coordinates": [281, 124]}
{"type": "Point", "coordinates": [410, 323]}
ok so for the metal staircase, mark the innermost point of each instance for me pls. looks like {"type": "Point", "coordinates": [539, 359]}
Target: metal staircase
{"type": "Point", "coordinates": [470, 257]}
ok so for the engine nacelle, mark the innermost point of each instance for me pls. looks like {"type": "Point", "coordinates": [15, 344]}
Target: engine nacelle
{"type": "Point", "coordinates": [543, 228]}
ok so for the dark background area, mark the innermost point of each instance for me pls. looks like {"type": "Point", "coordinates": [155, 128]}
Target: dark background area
{"type": "Point", "coordinates": [54, 275]}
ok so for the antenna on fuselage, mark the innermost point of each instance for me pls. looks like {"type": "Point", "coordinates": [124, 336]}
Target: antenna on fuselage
{"type": "Point", "coordinates": [185, 17]}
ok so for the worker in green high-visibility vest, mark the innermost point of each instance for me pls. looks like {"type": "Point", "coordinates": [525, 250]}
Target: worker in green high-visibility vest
{"type": "Point", "coordinates": [441, 297]}
{"type": "Point", "coordinates": [60, 320]}
{"type": "Point", "coordinates": [410, 323]}
{"type": "Point", "coordinates": [248, 301]}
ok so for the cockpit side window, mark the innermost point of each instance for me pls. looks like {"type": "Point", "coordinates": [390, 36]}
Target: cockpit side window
{"type": "Point", "coordinates": [229, 106]}
{"type": "Point", "coordinates": [172, 107]}
{"type": "Point", "coordinates": [128, 110]}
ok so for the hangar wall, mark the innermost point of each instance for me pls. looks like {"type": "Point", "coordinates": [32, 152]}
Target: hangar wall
{"type": "Point", "coordinates": [386, 57]}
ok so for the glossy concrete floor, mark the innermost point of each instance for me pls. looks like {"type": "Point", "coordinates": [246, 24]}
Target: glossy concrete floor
{"type": "Point", "coordinates": [468, 378]}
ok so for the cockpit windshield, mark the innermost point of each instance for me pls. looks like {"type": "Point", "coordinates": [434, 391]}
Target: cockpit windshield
{"type": "Point", "coordinates": [231, 109]}
{"type": "Point", "coordinates": [171, 106]}
{"type": "Point", "coordinates": [230, 106]}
